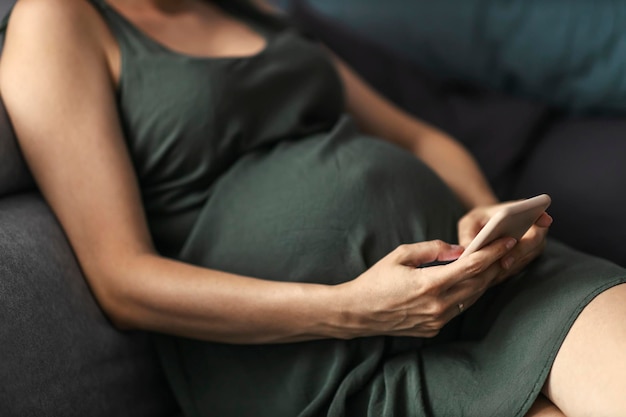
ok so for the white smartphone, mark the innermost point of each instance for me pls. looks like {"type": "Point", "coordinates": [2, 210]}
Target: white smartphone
{"type": "Point", "coordinates": [512, 220]}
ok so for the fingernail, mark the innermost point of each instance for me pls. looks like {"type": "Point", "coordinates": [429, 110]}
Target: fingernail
{"type": "Point", "coordinates": [508, 262]}
{"type": "Point", "coordinates": [456, 247]}
{"type": "Point", "coordinates": [510, 243]}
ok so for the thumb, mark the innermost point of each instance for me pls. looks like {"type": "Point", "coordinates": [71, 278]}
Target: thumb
{"type": "Point", "coordinates": [467, 232]}
{"type": "Point", "coordinates": [470, 225]}
{"type": "Point", "coordinates": [416, 254]}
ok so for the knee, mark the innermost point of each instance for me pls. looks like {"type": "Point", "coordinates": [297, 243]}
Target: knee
{"type": "Point", "coordinates": [588, 377]}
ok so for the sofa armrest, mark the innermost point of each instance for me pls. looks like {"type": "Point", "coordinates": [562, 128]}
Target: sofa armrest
{"type": "Point", "coordinates": [60, 354]}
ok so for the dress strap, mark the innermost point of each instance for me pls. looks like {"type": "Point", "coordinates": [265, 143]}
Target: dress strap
{"type": "Point", "coordinates": [129, 37]}
{"type": "Point", "coordinates": [99, 3]}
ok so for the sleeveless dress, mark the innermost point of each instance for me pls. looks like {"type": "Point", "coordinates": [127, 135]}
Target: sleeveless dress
{"type": "Point", "coordinates": [249, 165]}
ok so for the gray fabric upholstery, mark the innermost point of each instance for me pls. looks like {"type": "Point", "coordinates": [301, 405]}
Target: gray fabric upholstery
{"type": "Point", "coordinates": [14, 176]}
{"type": "Point", "coordinates": [581, 163]}
{"type": "Point", "coordinates": [60, 356]}
{"type": "Point", "coordinates": [5, 5]}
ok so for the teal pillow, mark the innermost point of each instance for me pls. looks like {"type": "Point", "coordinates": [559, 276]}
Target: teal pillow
{"type": "Point", "coordinates": [568, 53]}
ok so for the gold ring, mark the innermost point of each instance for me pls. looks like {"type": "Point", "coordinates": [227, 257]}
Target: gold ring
{"type": "Point", "coordinates": [461, 307]}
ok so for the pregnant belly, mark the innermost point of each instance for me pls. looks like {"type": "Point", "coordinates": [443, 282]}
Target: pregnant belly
{"type": "Point", "coordinates": [320, 209]}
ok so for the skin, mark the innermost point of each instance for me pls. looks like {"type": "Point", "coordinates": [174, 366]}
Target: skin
{"type": "Point", "coordinates": [544, 408]}
{"type": "Point", "coordinates": [58, 76]}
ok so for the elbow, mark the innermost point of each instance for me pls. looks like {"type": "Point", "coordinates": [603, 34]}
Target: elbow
{"type": "Point", "coordinates": [119, 318]}
{"type": "Point", "coordinates": [116, 307]}
{"type": "Point", "coordinates": [113, 294]}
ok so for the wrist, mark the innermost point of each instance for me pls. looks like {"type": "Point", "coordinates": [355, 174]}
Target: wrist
{"type": "Point", "coordinates": [347, 313]}
{"type": "Point", "coordinates": [333, 312]}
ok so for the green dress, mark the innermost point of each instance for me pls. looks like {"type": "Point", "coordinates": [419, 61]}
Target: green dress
{"type": "Point", "coordinates": [249, 165]}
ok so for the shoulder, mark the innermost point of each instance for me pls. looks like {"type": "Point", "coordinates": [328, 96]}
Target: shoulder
{"type": "Point", "coordinates": [57, 33]}
{"type": "Point", "coordinates": [68, 23]}
{"type": "Point", "coordinates": [52, 14]}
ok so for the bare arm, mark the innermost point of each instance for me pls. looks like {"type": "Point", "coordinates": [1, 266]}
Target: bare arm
{"type": "Point", "coordinates": [56, 80]}
{"type": "Point", "coordinates": [448, 158]}
{"type": "Point", "coordinates": [59, 93]}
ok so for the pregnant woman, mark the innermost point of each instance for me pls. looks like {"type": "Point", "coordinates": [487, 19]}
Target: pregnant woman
{"type": "Point", "coordinates": [231, 187]}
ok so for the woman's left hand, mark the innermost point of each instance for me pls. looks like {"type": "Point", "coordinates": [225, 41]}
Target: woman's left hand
{"type": "Point", "coordinates": [528, 248]}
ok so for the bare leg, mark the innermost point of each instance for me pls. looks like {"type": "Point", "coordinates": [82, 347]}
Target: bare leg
{"type": "Point", "coordinates": [544, 408]}
{"type": "Point", "coordinates": [588, 378]}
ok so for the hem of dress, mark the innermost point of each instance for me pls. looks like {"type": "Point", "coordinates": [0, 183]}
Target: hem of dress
{"type": "Point", "coordinates": [543, 376]}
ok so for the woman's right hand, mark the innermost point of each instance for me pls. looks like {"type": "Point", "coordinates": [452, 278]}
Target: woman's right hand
{"type": "Point", "coordinates": [398, 297]}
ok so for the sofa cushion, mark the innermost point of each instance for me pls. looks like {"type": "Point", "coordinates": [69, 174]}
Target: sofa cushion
{"type": "Point", "coordinates": [60, 356]}
{"type": "Point", "coordinates": [581, 163]}
{"type": "Point", "coordinates": [570, 54]}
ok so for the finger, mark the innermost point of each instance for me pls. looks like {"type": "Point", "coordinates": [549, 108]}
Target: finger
{"type": "Point", "coordinates": [450, 305]}
{"type": "Point", "coordinates": [520, 263]}
{"type": "Point", "coordinates": [462, 303]}
{"type": "Point", "coordinates": [466, 235]}
{"type": "Point", "coordinates": [474, 264]}
{"type": "Point", "coordinates": [529, 246]}
{"type": "Point", "coordinates": [468, 229]}
{"type": "Point", "coordinates": [479, 283]}
{"type": "Point", "coordinates": [416, 254]}
{"type": "Point", "coordinates": [463, 295]}
{"type": "Point", "coordinates": [545, 220]}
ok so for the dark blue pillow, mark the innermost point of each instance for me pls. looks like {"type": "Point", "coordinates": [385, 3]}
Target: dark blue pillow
{"type": "Point", "coordinates": [568, 53]}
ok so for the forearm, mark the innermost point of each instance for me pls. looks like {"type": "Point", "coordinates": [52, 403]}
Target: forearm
{"type": "Point", "coordinates": [163, 295]}
{"type": "Point", "coordinates": [456, 166]}
{"type": "Point", "coordinates": [444, 155]}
